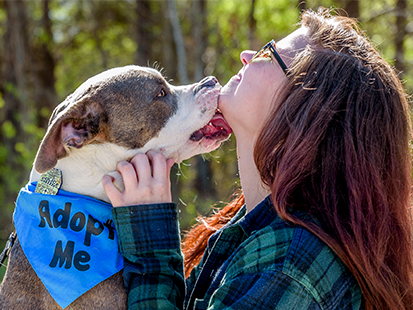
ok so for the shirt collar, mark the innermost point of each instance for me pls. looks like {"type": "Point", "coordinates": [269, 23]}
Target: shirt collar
{"type": "Point", "coordinates": [259, 217]}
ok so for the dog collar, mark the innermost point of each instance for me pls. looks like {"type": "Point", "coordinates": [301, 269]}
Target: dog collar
{"type": "Point", "coordinates": [69, 240]}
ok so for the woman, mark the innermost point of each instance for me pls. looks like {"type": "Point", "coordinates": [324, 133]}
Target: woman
{"type": "Point", "coordinates": [324, 220]}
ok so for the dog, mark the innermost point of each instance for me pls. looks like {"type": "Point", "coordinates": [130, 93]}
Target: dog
{"type": "Point", "coordinates": [110, 118]}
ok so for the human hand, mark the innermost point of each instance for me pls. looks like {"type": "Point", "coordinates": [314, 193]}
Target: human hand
{"type": "Point", "coordinates": [146, 179]}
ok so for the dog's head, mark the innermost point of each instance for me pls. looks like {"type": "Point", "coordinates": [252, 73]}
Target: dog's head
{"type": "Point", "coordinates": [135, 108]}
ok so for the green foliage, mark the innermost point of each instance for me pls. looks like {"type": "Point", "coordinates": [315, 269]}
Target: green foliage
{"type": "Point", "coordinates": [2, 269]}
{"type": "Point", "coordinates": [1, 101]}
{"type": "Point", "coordinates": [8, 129]}
{"type": "Point", "coordinates": [91, 36]}
{"type": "Point", "coordinates": [192, 203]}
{"type": "Point", "coordinates": [275, 19]}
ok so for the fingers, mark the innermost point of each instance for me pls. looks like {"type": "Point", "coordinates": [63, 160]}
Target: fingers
{"type": "Point", "coordinates": [160, 166]}
{"type": "Point", "coordinates": [146, 180]}
{"type": "Point", "coordinates": [107, 182]}
{"type": "Point", "coordinates": [142, 167]}
{"type": "Point", "coordinates": [111, 190]}
{"type": "Point", "coordinates": [161, 172]}
{"type": "Point", "coordinates": [128, 173]}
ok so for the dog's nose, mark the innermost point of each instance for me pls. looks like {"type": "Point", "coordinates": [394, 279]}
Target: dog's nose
{"type": "Point", "coordinates": [209, 81]}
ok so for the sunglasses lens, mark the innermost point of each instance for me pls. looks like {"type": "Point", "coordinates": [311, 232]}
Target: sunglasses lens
{"type": "Point", "coordinates": [262, 52]}
{"type": "Point", "coordinates": [266, 51]}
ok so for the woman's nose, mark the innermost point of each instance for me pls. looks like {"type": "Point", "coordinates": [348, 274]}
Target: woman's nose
{"type": "Point", "coordinates": [246, 56]}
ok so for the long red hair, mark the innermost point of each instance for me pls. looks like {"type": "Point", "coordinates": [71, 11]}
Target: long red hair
{"type": "Point", "coordinates": [337, 147]}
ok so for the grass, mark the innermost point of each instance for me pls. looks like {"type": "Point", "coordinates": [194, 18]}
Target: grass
{"type": "Point", "coordinates": [3, 270]}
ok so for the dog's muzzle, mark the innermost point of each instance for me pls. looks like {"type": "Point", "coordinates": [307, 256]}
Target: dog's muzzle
{"type": "Point", "coordinates": [209, 81]}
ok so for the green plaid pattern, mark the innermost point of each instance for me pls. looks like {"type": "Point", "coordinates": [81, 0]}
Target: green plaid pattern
{"type": "Point", "coordinates": [257, 261]}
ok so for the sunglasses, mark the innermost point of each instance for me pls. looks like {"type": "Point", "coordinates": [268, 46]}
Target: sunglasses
{"type": "Point", "coordinates": [265, 52]}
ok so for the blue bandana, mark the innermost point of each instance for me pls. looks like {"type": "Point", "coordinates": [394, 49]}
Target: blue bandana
{"type": "Point", "coordinates": [69, 240]}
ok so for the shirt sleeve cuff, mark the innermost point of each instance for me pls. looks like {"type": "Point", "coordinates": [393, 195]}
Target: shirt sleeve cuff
{"type": "Point", "coordinates": [146, 228]}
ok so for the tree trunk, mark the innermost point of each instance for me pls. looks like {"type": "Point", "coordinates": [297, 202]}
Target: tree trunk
{"type": "Point", "coordinates": [16, 71]}
{"type": "Point", "coordinates": [168, 55]}
{"type": "Point", "coordinates": [200, 37]}
{"type": "Point", "coordinates": [351, 7]}
{"type": "Point", "coordinates": [97, 24]}
{"type": "Point", "coordinates": [45, 98]}
{"type": "Point", "coordinates": [252, 26]}
{"type": "Point", "coordinates": [401, 33]}
{"type": "Point", "coordinates": [144, 33]}
{"type": "Point", "coordinates": [203, 179]}
{"type": "Point", "coordinates": [179, 42]}
{"type": "Point", "coordinates": [15, 114]}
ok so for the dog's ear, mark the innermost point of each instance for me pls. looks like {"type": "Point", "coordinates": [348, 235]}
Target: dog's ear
{"type": "Point", "coordinates": [71, 125]}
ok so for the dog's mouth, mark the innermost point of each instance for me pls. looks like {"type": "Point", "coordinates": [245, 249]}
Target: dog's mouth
{"type": "Point", "coordinates": [217, 129]}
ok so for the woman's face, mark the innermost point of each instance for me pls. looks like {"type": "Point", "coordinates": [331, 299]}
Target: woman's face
{"type": "Point", "coordinates": [248, 97]}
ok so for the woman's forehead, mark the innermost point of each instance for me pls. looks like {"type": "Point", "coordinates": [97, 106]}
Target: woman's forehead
{"type": "Point", "coordinates": [292, 44]}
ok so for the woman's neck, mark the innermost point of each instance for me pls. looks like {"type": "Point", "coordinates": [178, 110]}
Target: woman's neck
{"type": "Point", "coordinates": [253, 188]}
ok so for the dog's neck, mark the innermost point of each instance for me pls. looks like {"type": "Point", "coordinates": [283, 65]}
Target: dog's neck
{"type": "Point", "coordinates": [84, 168]}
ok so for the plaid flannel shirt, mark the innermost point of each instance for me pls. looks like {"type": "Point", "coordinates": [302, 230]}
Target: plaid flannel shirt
{"type": "Point", "coordinates": [257, 261]}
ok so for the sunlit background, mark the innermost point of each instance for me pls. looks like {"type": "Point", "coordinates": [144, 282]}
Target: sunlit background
{"type": "Point", "coordinates": [48, 48]}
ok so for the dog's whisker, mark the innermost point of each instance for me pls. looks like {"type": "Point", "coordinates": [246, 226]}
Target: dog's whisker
{"type": "Point", "coordinates": [186, 164]}
{"type": "Point", "coordinates": [183, 174]}
{"type": "Point", "coordinates": [178, 173]}
{"type": "Point", "coordinates": [157, 66]}
{"type": "Point", "coordinates": [181, 201]}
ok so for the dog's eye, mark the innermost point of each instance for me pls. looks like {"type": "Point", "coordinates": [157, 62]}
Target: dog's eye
{"type": "Point", "coordinates": [161, 94]}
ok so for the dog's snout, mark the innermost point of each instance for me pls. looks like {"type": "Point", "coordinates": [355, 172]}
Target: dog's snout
{"type": "Point", "coordinates": [209, 81]}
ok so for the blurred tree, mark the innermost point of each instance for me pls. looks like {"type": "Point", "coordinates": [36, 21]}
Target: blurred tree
{"type": "Point", "coordinates": [199, 36]}
{"type": "Point", "coordinates": [179, 42]}
{"type": "Point", "coordinates": [16, 111]}
{"type": "Point", "coordinates": [97, 23]}
{"type": "Point", "coordinates": [203, 179]}
{"type": "Point", "coordinates": [144, 34]}
{"type": "Point", "coordinates": [252, 25]}
{"type": "Point", "coordinates": [50, 47]}
{"type": "Point", "coordinates": [167, 50]}
{"type": "Point", "coordinates": [351, 7]}
{"type": "Point", "coordinates": [44, 97]}
{"type": "Point", "coordinates": [90, 36]}
{"type": "Point", "coordinates": [401, 32]}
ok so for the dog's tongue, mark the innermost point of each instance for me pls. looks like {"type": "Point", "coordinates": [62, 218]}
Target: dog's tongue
{"type": "Point", "coordinates": [216, 129]}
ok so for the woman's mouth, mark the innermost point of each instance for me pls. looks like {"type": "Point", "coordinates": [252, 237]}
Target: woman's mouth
{"type": "Point", "coordinates": [237, 77]}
